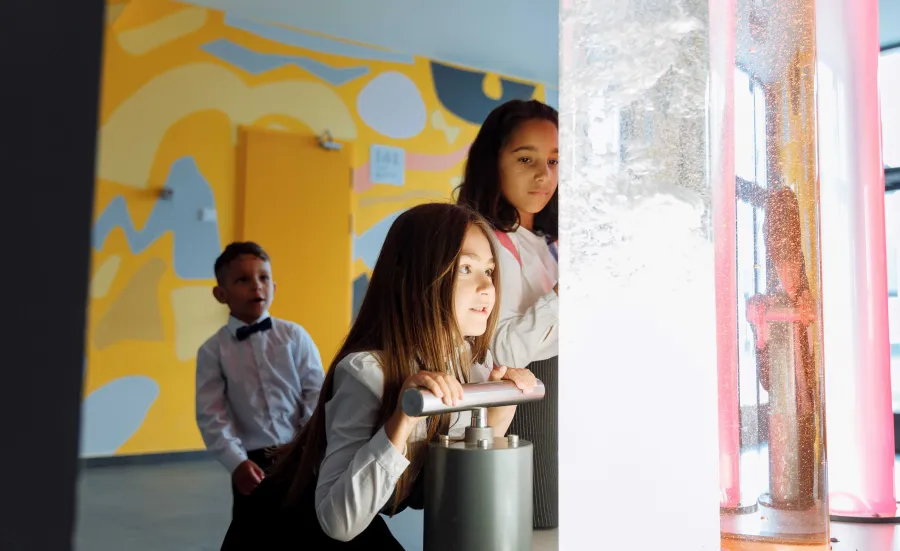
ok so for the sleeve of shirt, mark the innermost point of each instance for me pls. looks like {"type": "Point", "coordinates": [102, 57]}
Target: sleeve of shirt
{"type": "Point", "coordinates": [309, 367]}
{"type": "Point", "coordinates": [213, 418]}
{"type": "Point", "coordinates": [522, 332]}
{"type": "Point", "coordinates": [359, 472]}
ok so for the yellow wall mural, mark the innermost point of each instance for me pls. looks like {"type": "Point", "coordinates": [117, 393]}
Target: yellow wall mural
{"type": "Point", "coordinates": [178, 82]}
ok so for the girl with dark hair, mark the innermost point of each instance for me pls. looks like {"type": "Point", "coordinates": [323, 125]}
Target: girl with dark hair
{"type": "Point", "coordinates": [426, 321]}
{"type": "Point", "coordinates": [511, 179]}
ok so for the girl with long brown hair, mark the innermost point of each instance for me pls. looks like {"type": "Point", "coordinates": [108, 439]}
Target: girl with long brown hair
{"type": "Point", "coordinates": [426, 321]}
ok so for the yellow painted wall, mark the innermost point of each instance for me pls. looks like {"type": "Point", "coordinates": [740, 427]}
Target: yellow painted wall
{"type": "Point", "coordinates": [177, 83]}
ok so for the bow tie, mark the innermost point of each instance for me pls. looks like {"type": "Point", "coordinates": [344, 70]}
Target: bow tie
{"type": "Point", "coordinates": [243, 333]}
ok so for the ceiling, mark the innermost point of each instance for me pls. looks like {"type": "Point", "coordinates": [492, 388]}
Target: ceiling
{"type": "Point", "coordinates": [510, 37]}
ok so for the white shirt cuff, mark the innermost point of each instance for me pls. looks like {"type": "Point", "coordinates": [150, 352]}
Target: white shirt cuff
{"type": "Point", "coordinates": [549, 303]}
{"type": "Point", "coordinates": [231, 458]}
{"type": "Point", "coordinates": [394, 462]}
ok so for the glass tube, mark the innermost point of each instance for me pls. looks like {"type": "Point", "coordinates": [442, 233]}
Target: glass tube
{"type": "Point", "coordinates": [637, 292]}
{"type": "Point", "coordinates": [776, 282]}
{"type": "Point", "coordinates": [857, 344]}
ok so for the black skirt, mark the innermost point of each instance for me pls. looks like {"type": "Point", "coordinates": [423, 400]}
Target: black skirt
{"type": "Point", "coordinates": [538, 422]}
{"type": "Point", "coordinates": [265, 523]}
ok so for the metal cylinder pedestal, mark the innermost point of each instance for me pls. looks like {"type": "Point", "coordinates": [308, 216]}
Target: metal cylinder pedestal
{"type": "Point", "coordinates": [479, 490]}
{"type": "Point", "coordinates": [478, 495]}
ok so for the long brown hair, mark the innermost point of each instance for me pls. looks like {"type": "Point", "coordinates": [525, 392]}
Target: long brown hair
{"type": "Point", "coordinates": [408, 319]}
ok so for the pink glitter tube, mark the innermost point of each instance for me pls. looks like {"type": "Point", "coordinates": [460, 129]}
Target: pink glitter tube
{"type": "Point", "coordinates": [857, 346]}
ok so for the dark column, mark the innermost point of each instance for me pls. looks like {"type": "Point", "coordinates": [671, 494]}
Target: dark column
{"type": "Point", "coordinates": [50, 59]}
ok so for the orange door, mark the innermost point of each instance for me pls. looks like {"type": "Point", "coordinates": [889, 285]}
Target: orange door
{"type": "Point", "coordinates": [297, 206]}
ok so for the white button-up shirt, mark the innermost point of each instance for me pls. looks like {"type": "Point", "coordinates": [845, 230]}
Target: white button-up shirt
{"type": "Point", "coordinates": [528, 324]}
{"type": "Point", "coordinates": [255, 393]}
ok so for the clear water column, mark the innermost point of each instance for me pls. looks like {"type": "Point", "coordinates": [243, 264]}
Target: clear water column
{"type": "Point", "coordinates": [857, 344]}
{"type": "Point", "coordinates": [778, 278]}
{"type": "Point", "coordinates": [639, 462]}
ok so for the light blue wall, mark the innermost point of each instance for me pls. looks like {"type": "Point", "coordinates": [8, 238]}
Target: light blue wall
{"type": "Point", "coordinates": [889, 22]}
{"type": "Point", "coordinates": [510, 37]}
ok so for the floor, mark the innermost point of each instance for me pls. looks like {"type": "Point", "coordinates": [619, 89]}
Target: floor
{"type": "Point", "coordinates": [186, 507]}
{"type": "Point", "coordinates": [177, 506]}
{"type": "Point", "coordinates": [170, 507]}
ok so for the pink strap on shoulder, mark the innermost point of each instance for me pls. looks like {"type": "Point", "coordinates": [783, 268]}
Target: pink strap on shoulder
{"type": "Point", "coordinates": [507, 243]}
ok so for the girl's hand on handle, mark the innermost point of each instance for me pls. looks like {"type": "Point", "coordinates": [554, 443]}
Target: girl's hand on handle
{"type": "Point", "coordinates": [443, 385]}
{"type": "Point", "coordinates": [523, 378]}
{"type": "Point", "coordinates": [501, 417]}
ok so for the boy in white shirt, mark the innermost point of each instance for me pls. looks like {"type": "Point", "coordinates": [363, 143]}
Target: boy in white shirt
{"type": "Point", "coordinates": [258, 377]}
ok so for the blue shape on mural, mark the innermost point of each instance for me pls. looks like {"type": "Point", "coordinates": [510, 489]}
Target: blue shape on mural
{"type": "Point", "coordinates": [408, 527]}
{"type": "Point", "coordinates": [368, 245]}
{"type": "Point", "coordinates": [257, 63]}
{"type": "Point", "coordinates": [461, 92]}
{"type": "Point", "coordinates": [360, 285]}
{"type": "Point", "coordinates": [392, 105]}
{"type": "Point", "coordinates": [315, 43]}
{"type": "Point", "coordinates": [196, 241]}
{"type": "Point", "coordinates": [114, 412]}
{"type": "Point", "coordinates": [552, 96]}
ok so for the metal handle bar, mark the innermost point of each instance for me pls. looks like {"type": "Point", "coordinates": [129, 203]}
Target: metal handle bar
{"type": "Point", "coordinates": [420, 402]}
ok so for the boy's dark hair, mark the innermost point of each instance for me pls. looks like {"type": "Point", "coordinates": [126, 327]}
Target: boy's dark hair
{"type": "Point", "coordinates": [480, 189]}
{"type": "Point", "coordinates": [233, 251]}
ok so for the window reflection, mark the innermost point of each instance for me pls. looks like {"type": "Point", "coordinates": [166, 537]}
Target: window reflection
{"type": "Point", "coordinates": [750, 172]}
{"type": "Point", "coordinates": [889, 85]}
{"type": "Point", "coordinates": [892, 226]}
